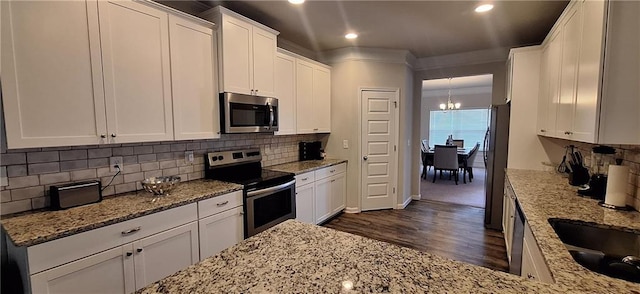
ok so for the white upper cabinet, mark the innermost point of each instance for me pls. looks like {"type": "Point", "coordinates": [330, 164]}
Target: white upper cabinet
{"type": "Point", "coordinates": [247, 63]}
{"type": "Point", "coordinates": [194, 80]}
{"type": "Point", "coordinates": [52, 78]}
{"type": "Point", "coordinates": [313, 91]}
{"type": "Point", "coordinates": [285, 81]}
{"type": "Point", "coordinates": [135, 52]}
{"type": "Point", "coordinates": [596, 45]}
{"type": "Point", "coordinates": [322, 99]}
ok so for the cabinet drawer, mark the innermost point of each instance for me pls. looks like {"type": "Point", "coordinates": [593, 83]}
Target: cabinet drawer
{"type": "Point", "coordinates": [330, 171]}
{"type": "Point", "coordinates": [219, 204]}
{"type": "Point", "coordinates": [50, 254]}
{"type": "Point", "coordinates": [306, 178]}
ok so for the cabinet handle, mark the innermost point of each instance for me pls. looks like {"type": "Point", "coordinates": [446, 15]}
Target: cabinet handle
{"type": "Point", "coordinates": [223, 203]}
{"type": "Point", "coordinates": [256, 91]}
{"type": "Point", "coordinates": [139, 250]}
{"type": "Point", "coordinates": [333, 181]}
{"type": "Point", "coordinates": [315, 129]}
{"type": "Point", "coordinates": [543, 131]}
{"type": "Point", "coordinates": [530, 276]}
{"type": "Point", "coordinates": [333, 170]}
{"type": "Point", "coordinates": [129, 254]}
{"type": "Point", "coordinates": [304, 179]}
{"type": "Point", "coordinates": [113, 135]}
{"type": "Point", "coordinates": [103, 136]}
{"type": "Point", "coordinates": [130, 231]}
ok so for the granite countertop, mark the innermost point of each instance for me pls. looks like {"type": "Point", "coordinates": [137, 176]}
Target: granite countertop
{"type": "Point", "coordinates": [299, 167]}
{"type": "Point", "coordinates": [543, 195]}
{"type": "Point", "coordinates": [295, 257]}
{"type": "Point", "coordinates": [39, 227]}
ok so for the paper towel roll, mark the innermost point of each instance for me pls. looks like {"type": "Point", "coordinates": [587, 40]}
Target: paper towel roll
{"type": "Point", "coordinates": [617, 182]}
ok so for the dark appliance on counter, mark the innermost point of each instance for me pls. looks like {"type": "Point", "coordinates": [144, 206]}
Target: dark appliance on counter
{"type": "Point", "coordinates": [76, 194]}
{"type": "Point", "coordinates": [241, 113]}
{"type": "Point", "coordinates": [601, 158]}
{"type": "Point", "coordinates": [269, 196]}
{"type": "Point", "coordinates": [496, 146]}
{"type": "Point", "coordinates": [310, 150]}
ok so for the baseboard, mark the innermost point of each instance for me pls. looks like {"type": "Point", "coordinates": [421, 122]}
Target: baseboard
{"type": "Point", "coordinates": [352, 210]}
{"type": "Point", "coordinates": [403, 205]}
{"type": "Point", "coordinates": [416, 197]}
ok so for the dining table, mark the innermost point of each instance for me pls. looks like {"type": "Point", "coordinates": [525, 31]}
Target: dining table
{"type": "Point", "coordinates": [427, 160]}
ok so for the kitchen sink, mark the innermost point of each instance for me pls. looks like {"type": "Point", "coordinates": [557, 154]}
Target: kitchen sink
{"type": "Point", "coordinates": [614, 252]}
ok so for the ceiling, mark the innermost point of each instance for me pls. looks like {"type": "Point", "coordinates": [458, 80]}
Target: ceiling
{"type": "Point", "coordinates": [475, 85]}
{"type": "Point", "coordinates": [425, 28]}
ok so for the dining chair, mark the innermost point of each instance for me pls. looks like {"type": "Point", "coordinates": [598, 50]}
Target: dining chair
{"type": "Point", "coordinates": [467, 165]}
{"type": "Point", "coordinates": [459, 143]}
{"type": "Point", "coordinates": [445, 158]}
{"type": "Point", "coordinates": [427, 159]}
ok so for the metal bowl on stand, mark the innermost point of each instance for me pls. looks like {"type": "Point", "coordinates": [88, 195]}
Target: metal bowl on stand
{"type": "Point", "coordinates": [160, 185]}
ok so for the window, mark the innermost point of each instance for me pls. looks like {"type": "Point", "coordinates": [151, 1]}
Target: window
{"type": "Point", "coordinates": [469, 125]}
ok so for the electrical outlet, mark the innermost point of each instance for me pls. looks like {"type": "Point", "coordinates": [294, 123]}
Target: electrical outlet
{"type": "Point", "coordinates": [345, 144]}
{"type": "Point", "coordinates": [188, 156]}
{"type": "Point", "coordinates": [113, 161]}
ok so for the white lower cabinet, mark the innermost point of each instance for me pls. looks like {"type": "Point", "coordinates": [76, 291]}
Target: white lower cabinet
{"type": "Point", "coordinates": [330, 191]}
{"type": "Point", "coordinates": [323, 199]}
{"type": "Point", "coordinates": [533, 265]}
{"type": "Point", "coordinates": [304, 203]}
{"type": "Point", "coordinates": [220, 231]}
{"type": "Point", "coordinates": [508, 215]}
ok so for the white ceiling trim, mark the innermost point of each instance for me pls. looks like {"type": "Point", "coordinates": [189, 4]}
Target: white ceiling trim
{"type": "Point", "coordinates": [369, 54]}
{"type": "Point", "coordinates": [466, 58]}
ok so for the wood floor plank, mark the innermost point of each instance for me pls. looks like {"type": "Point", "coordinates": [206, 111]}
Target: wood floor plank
{"type": "Point", "coordinates": [449, 230]}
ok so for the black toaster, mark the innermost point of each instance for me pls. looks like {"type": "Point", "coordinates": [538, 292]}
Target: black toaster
{"type": "Point", "coordinates": [76, 194]}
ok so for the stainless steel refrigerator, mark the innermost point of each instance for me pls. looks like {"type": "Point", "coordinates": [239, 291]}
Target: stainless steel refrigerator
{"type": "Point", "coordinates": [496, 143]}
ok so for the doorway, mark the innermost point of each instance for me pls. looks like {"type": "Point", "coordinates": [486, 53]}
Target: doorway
{"type": "Point", "coordinates": [440, 119]}
{"type": "Point", "coordinates": [379, 136]}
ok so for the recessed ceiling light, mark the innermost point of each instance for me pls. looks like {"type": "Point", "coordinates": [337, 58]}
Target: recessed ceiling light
{"type": "Point", "coordinates": [351, 35]}
{"type": "Point", "coordinates": [484, 8]}
{"type": "Point", "coordinates": [296, 1]}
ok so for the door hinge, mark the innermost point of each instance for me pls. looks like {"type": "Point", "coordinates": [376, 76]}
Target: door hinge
{"type": "Point", "coordinates": [394, 190]}
{"type": "Point", "coordinates": [395, 103]}
{"type": "Point", "coordinates": [395, 148]}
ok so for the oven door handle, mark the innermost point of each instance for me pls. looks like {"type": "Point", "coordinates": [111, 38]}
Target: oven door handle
{"type": "Point", "coordinates": [271, 115]}
{"type": "Point", "coordinates": [271, 189]}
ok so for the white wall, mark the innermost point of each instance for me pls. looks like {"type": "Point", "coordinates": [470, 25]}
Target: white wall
{"type": "Point", "coordinates": [351, 71]}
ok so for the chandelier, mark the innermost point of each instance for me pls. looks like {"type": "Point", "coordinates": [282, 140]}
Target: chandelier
{"type": "Point", "coordinates": [450, 105]}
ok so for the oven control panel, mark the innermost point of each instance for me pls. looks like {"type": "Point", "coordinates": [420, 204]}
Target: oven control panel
{"type": "Point", "coordinates": [233, 157]}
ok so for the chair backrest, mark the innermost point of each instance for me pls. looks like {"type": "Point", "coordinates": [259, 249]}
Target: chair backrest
{"type": "Point", "coordinates": [459, 143]}
{"type": "Point", "coordinates": [425, 145]}
{"type": "Point", "coordinates": [445, 157]}
{"type": "Point", "coordinates": [472, 154]}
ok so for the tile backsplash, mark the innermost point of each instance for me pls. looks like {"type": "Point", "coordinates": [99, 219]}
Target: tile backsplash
{"type": "Point", "coordinates": [27, 173]}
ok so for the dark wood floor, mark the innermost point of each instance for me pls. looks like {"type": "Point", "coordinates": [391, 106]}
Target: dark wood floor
{"type": "Point", "coordinates": [449, 230]}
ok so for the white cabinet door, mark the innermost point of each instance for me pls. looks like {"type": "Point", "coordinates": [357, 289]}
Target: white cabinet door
{"type": "Point", "coordinates": [542, 126]}
{"type": "Point", "coordinates": [323, 207]}
{"type": "Point", "coordinates": [322, 99]}
{"type": "Point", "coordinates": [527, 269]}
{"type": "Point", "coordinates": [571, 40]}
{"type": "Point", "coordinates": [52, 68]}
{"type": "Point", "coordinates": [553, 96]}
{"type": "Point", "coordinates": [264, 60]}
{"type": "Point", "coordinates": [165, 253]}
{"type": "Point", "coordinates": [109, 271]}
{"type": "Point", "coordinates": [237, 64]}
{"type": "Point", "coordinates": [305, 123]}
{"type": "Point", "coordinates": [304, 203]}
{"type": "Point", "coordinates": [194, 80]}
{"type": "Point", "coordinates": [338, 193]}
{"type": "Point", "coordinates": [135, 52]}
{"type": "Point", "coordinates": [285, 91]}
{"type": "Point", "coordinates": [220, 231]}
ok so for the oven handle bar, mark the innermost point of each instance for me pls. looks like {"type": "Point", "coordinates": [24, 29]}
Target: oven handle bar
{"type": "Point", "coordinates": [271, 189]}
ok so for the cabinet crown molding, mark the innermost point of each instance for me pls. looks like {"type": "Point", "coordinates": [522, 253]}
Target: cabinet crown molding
{"type": "Point", "coordinates": [213, 13]}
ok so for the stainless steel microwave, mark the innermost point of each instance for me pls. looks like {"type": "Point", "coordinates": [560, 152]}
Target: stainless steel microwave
{"type": "Point", "coordinates": [241, 113]}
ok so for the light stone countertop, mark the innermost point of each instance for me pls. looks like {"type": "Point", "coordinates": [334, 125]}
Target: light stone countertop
{"type": "Point", "coordinates": [42, 226]}
{"type": "Point", "coordinates": [295, 257]}
{"type": "Point", "coordinates": [543, 195]}
{"type": "Point", "coordinates": [300, 167]}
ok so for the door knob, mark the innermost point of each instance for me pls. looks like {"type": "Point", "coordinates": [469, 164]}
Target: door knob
{"type": "Point", "coordinates": [113, 135]}
{"type": "Point", "coordinates": [365, 157]}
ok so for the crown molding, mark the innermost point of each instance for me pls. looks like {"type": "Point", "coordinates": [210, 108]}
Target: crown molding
{"type": "Point", "coordinates": [368, 54]}
{"type": "Point", "coordinates": [465, 58]}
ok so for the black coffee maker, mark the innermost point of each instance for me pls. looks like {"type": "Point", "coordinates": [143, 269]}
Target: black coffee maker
{"type": "Point", "coordinates": [601, 157]}
{"type": "Point", "coordinates": [310, 150]}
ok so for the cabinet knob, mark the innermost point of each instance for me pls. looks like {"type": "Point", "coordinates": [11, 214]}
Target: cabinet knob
{"type": "Point", "coordinates": [542, 131]}
{"type": "Point", "coordinates": [129, 254]}
{"type": "Point", "coordinates": [113, 135]}
{"type": "Point", "coordinates": [139, 250]}
{"type": "Point", "coordinates": [103, 136]}
{"type": "Point", "coordinates": [530, 276]}
{"type": "Point", "coordinates": [256, 91]}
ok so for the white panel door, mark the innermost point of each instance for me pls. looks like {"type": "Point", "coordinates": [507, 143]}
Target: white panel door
{"type": "Point", "coordinates": [135, 52]}
{"type": "Point", "coordinates": [322, 99]}
{"type": "Point", "coordinates": [237, 64]}
{"type": "Point", "coordinates": [322, 201]}
{"type": "Point", "coordinates": [571, 32]}
{"type": "Point", "coordinates": [304, 203]}
{"type": "Point", "coordinates": [305, 123]}
{"type": "Point", "coordinates": [52, 87]}
{"type": "Point", "coordinates": [264, 60]}
{"type": "Point", "coordinates": [378, 154]}
{"type": "Point", "coordinates": [338, 193]}
{"type": "Point", "coordinates": [220, 231]}
{"type": "Point", "coordinates": [285, 91]}
{"type": "Point", "coordinates": [194, 80]}
{"type": "Point", "coordinates": [165, 253]}
{"type": "Point", "coordinates": [110, 271]}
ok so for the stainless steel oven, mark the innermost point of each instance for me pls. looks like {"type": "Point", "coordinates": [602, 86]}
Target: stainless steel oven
{"type": "Point", "coordinates": [270, 206]}
{"type": "Point", "coordinates": [241, 113]}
